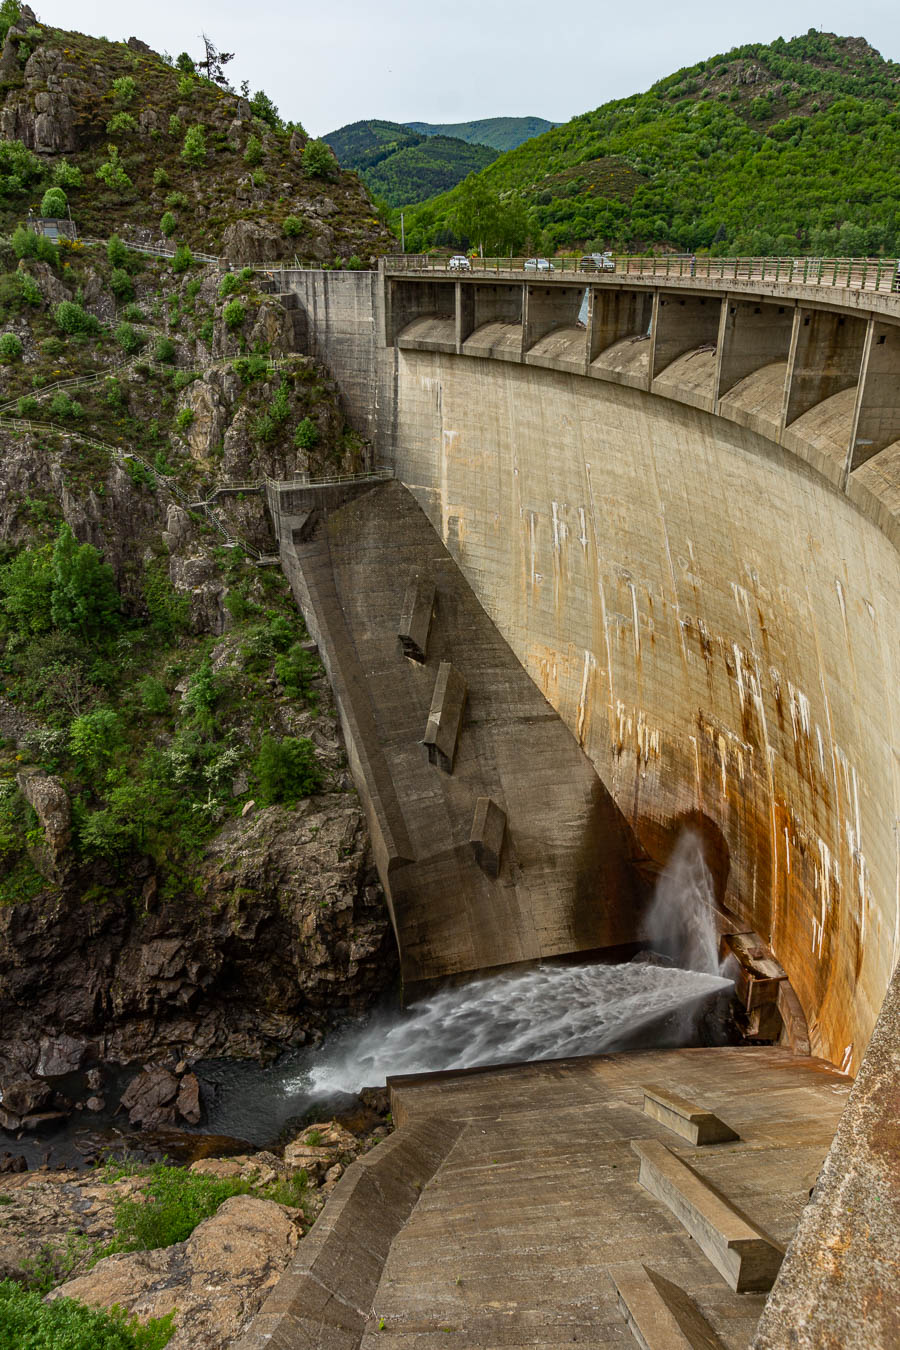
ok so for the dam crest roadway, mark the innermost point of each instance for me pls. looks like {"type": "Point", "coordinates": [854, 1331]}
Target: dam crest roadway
{"type": "Point", "coordinates": [632, 574]}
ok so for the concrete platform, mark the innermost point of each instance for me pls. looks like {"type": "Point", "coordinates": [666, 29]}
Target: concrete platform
{"type": "Point", "coordinates": [531, 1222]}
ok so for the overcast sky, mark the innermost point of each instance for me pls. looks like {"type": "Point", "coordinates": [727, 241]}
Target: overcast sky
{"type": "Point", "coordinates": [403, 60]}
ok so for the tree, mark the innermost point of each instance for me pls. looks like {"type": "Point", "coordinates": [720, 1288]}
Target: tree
{"type": "Point", "coordinates": [185, 64]}
{"type": "Point", "coordinates": [93, 739]}
{"type": "Point", "coordinates": [84, 600]}
{"type": "Point", "coordinates": [287, 770]}
{"type": "Point", "coordinates": [54, 204]}
{"type": "Point", "coordinates": [26, 589]}
{"type": "Point", "coordinates": [194, 149]}
{"type": "Point", "coordinates": [262, 107]}
{"type": "Point", "coordinates": [318, 160]}
{"type": "Point", "coordinates": [213, 62]}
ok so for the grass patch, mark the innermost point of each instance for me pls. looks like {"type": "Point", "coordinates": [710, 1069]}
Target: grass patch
{"type": "Point", "coordinates": [27, 1323]}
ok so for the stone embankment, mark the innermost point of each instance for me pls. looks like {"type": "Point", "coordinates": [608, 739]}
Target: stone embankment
{"type": "Point", "coordinates": [55, 1224]}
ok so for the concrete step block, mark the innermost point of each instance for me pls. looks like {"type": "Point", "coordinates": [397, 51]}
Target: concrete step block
{"type": "Point", "coordinates": [415, 618]}
{"type": "Point", "coordinates": [448, 703]}
{"type": "Point", "coordinates": [686, 1118]}
{"type": "Point", "coordinates": [745, 1259]}
{"type": "Point", "coordinates": [659, 1314]}
{"type": "Point", "coordinates": [487, 835]}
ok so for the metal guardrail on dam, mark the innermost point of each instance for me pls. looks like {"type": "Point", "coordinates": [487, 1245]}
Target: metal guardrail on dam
{"type": "Point", "coordinates": [856, 274]}
{"type": "Point", "coordinates": [807, 356]}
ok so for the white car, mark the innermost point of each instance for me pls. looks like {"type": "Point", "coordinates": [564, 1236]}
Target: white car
{"type": "Point", "coordinates": [539, 265]}
{"type": "Point", "coordinates": [459, 263]}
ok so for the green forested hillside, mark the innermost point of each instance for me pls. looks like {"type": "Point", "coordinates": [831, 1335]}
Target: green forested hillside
{"type": "Point", "coordinates": [786, 148]}
{"type": "Point", "coordinates": [503, 133]}
{"type": "Point", "coordinates": [401, 166]}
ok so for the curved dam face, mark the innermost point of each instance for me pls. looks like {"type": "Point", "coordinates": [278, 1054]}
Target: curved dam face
{"type": "Point", "coordinates": [717, 625]}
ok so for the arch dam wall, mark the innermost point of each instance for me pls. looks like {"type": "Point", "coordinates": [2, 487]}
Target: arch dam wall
{"type": "Point", "coordinates": [684, 516]}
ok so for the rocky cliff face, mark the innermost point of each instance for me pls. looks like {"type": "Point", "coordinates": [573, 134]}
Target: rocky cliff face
{"type": "Point", "coordinates": [230, 193]}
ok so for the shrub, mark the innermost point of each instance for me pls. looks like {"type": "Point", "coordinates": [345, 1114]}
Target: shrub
{"type": "Point", "coordinates": [175, 200]}
{"type": "Point", "coordinates": [116, 253]}
{"type": "Point", "coordinates": [355, 263]}
{"type": "Point", "coordinates": [54, 204]}
{"type": "Point", "coordinates": [65, 409]}
{"type": "Point", "coordinates": [121, 122]}
{"type": "Point", "coordinates": [228, 284]}
{"type": "Point", "coordinates": [53, 346]}
{"type": "Point", "coordinates": [258, 178]}
{"type": "Point", "coordinates": [27, 405]}
{"type": "Point", "coordinates": [306, 437]}
{"type": "Point", "coordinates": [234, 314]}
{"type": "Point", "coordinates": [10, 348]}
{"type": "Point", "coordinates": [254, 152]}
{"type": "Point", "coordinates": [292, 226]}
{"type": "Point", "coordinates": [173, 1203]}
{"type": "Point", "coordinates": [67, 175]}
{"type": "Point", "coordinates": [183, 259]}
{"type": "Point", "coordinates": [318, 161]}
{"type": "Point", "coordinates": [73, 318]}
{"type": "Point", "coordinates": [201, 696]}
{"type": "Point", "coordinates": [194, 149]}
{"type": "Point", "coordinates": [184, 63]}
{"type": "Point", "coordinates": [120, 284]}
{"type": "Point", "coordinates": [84, 601]}
{"type": "Point", "coordinates": [128, 338]}
{"type": "Point", "coordinates": [168, 612]}
{"type": "Point", "coordinates": [185, 419]}
{"type": "Point", "coordinates": [167, 224]}
{"type": "Point", "coordinates": [185, 86]}
{"type": "Point", "coordinates": [154, 696]}
{"type": "Point", "coordinates": [30, 289]}
{"type": "Point", "coordinates": [27, 244]}
{"type": "Point", "coordinates": [250, 368]}
{"type": "Point", "coordinates": [25, 1320]}
{"type": "Point", "coordinates": [287, 770]}
{"type": "Point", "coordinates": [124, 90]}
{"type": "Point", "coordinates": [133, 314]}
{"type": "Point", "coordinates": [164, 351]}
{"type": "Point", "coordinates": [93, 740]}
{"type": "Point", "coordinates": [262, 107]}
{"type": "Point", "coordinates": [112, 172]}
{"type": "Point", "coordinates": [182, 378]}
{"type": "Point", "coordinates": [160, 178]}
{"type": "Point", "coordinates": [174, 124]}
{"type": "Point", "coordinates": [19, 168]}
{"type": "Point", "coordinates": [296, 669]}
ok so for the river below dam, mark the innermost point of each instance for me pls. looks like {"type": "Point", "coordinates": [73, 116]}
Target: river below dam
{"type": "Point", "coordinates": [674, 994]}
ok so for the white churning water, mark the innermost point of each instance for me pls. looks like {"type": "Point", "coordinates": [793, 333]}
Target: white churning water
{"type": "Point", "coordinates": [549, 1013]}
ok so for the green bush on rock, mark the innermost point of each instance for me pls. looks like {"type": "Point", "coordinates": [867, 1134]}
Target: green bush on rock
{"type": "Point", "coordinates": [10, 348]}
{"type": "Point", "coordinates": [54, 204]}
{"type": "Point", "coordinates": [287, 770]}
{"type": "Point", "coordinates": [26, 1321]}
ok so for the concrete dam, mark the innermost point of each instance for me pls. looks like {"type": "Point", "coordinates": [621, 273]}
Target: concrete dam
{"type": "Point", "coordinates": [631, 573]}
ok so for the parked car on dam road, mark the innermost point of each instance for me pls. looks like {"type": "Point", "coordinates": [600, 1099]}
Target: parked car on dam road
{"type": "Point", "coordinates": [459, 263]}
{"type": "Point", "coordinates": [597, 262]}
{"type": "Point", "coordinates": [538, 265]}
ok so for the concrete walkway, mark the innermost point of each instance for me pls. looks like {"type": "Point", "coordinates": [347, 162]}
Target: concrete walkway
{"type": "Point", "coordinates": [528, 1217]}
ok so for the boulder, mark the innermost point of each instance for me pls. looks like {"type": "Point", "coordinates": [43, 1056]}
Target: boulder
{"type": "Point", "coordinates": [187, 1103]}
{"type": "Point", "coordinates": [217, 1279]}
{"type": "Point", "coordinates": [59, 1055]}
{"type": "Point", "coordinates": [149, 1098]}
{"type": "Point", "coordinates": [248, 241]}
{"type": "Point", "coordinates": [46, 794]}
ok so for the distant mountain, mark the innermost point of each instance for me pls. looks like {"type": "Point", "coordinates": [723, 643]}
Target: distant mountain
{"type": "Point", "coordinates": [503, 133]}
{"type": "Point", "coordinates": [776, 148]}
{"type": "Point", "coordinates": [404, 166]}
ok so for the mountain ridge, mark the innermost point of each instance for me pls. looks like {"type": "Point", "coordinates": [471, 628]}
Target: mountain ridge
{"type": "Point", "coordinates": [785, 147]}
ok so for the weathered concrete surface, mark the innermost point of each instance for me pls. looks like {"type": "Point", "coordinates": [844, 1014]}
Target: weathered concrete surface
{"type": "Point", "coordinates": [718, 626]}
{"type": "Point", "coordinates": [839, 1287]}
{"type": "Point", "coordinates": [534, 1207]}
{"type": "Point", "coordinates": [563, 882]}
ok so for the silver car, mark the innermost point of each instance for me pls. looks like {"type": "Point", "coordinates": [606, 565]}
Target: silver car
{"type": "Point", "coordinates": [459, 263]}
{"type": "Point", "coordinates": [539, 265]}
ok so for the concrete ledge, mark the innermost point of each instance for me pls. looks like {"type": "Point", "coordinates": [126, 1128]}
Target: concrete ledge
{"type": "Point", "coordinates": [486, 837]}
{"type": "Point", "coordinates": [325, 1297]}
{"type": "Point", "coordinates": [415, 620]}
{"type": "Point", "coordinates": [445, 718]}
{"type": "Point", "coordinates": [685, 1118]}
{"type": "Point", "coordinates": [649, 1303]}
{"type": "Point", "coordinates": [745, 1259]}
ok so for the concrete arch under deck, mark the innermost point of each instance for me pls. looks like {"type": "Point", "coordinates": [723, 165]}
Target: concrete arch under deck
{"type": "Point", "coordinates": [716, 623]}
